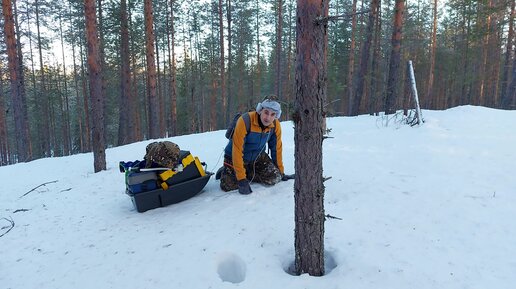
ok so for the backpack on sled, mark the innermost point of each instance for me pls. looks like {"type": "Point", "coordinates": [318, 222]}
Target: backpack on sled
{"type": "Point", "coordinates": [152, 187]}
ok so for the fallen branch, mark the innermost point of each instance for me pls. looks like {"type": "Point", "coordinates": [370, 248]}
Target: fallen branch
{"type": "Point", "coordinates": [21, 210]}
{"type": "Point", "coordinates": [36, 188]}
{"type": "Point", "coordinates": [11, 226]}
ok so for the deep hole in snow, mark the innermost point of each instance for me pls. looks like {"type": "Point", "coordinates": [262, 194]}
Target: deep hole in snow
{"type": "Point", "coordinates": [329, 264]}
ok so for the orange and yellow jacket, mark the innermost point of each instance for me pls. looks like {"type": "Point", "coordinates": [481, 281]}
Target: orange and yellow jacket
{"type": "Point", "coordinates": [244, 148]}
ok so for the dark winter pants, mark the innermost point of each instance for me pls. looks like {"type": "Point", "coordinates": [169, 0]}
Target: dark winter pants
{"type": "Point", "coordinates": [262, 171]}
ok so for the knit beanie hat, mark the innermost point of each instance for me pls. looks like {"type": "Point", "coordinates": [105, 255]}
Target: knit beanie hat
{"type": "Point", "coordinates": [271, 105]}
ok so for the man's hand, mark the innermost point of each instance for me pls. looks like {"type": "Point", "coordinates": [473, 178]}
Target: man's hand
{"type": "Point", "coordinates": [288, 177]}
{"type": "Point", "coordinates": [243, 187]}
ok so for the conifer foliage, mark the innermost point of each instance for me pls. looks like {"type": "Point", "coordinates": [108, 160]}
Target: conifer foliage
{"type": "Point", "coordinates": [178, 67]}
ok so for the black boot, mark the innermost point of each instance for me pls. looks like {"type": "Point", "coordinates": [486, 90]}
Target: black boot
{"type": "Point", "coordinates": [218, 174]}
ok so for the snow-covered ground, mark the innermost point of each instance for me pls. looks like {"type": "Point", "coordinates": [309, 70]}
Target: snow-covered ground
{"type": "Point", "coordinates": [421, 207]}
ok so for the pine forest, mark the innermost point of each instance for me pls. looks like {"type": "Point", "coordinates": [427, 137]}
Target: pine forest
{"type": "Point", "coordinates": [83, 76]}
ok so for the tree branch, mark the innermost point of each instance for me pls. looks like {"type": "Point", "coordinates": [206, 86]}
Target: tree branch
{"type": "Point", "coordinates": [331, 102]}
{"type": "Point", "coordinates": [321, 19]}
{"type": "Point", "coordinates": [36, 188]}
{"type": "Point", "coordinates": [328, 216]}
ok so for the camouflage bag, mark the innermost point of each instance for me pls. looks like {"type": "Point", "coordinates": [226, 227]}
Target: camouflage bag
{"type": "Point", "coordinates": [165, 154]}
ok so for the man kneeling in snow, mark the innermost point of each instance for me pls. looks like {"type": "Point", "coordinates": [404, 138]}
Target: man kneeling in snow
{"type": "Point", "coordinates": [245, 159]}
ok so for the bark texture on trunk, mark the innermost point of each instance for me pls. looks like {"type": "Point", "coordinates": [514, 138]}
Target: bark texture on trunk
{"type": "Point", "coordinates": [96, 97]}
{"type": "Point", "coordinates": [308, 118]}
{"type": "Point", "coordinates": [394, 64]}
{"type": "Point", "coordinates": [153, 117]}
{"type": "Point", "coordinates": [17, 91]}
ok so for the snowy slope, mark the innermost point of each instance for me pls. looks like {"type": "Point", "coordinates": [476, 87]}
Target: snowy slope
{"type": "Point", "coordinates": [421, 207]}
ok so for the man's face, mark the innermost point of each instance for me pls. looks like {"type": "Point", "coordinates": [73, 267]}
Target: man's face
{"type": "Point", "coordinates": [267, 116]}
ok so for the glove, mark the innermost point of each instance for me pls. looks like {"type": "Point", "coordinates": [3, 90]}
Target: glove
{"type": "Point", "coordinates": [287, 177]}
{"type": "Point", "coordinates": [243, 187]}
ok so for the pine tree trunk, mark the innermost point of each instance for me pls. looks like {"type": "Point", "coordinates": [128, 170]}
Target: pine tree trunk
{"type": "Point", "coordinates": [65, 123]}
{"type": "Point", "coordinates": [213, 95]}
{"type": "Point", "coordinates": [42, 94]}
{"type": "Point", "coordinates": [57, 115]}
{"type": "Point", "coordinates": [31, 55]}
{"type": "Point", "coordinates": [214, 76]}
{"type": "Point", "coordinates": [394, 64]}
{"type": "Point", "coordinates": [511, 91]}
{"type": "Point", "coordinates": [4, 141]}
{"type": "Point", "coordinates": [17, 95]}
{"type": "Point", "coordinates": [126, 119]}
{"type": "Point", "coordinates": [279, 32]}
{"type": "Point", "coordinates": [372, 103]}
{"type": "Point", "coordinates": [103, 66]}
{"type": "Point", "coordinates": [198, 101]}
{"type": "Point", "coordinates": [230, 60]}
{"type": "Point", "coordinates": [135, 96]}
{"type": "Point", "coordinates": [493, 52]}
{"type": "Point", "coordinates": [77, 97]}
{"type": "Point", "coordinates": [21, 75]}
{"type": "Point", "coordinates": [308, 118]}
{"type": "Point", "coordinates": [465, 95]}
{"type": "Point", "coordinates": [95, 77]}
{"type": "Point", "coordinates": [172, 65]}
{"type": "Point", "coordinates": [153, 119]}
{"type": "Point", "coordinates": [86, 105]}
{"type": "Point", "coordinates": [364, 61]}
{"type": "Point", "coordinates": [289, 88]}
{"type": "Point", "coordinates": [159, 91]}
{"type": "Point", "coordinates": [351, 61]}
{"type": "Point", "coordinates": [509, 52]}
{"type": "Point", "coordinates": [258, 90]}
{"type": "Point", "coordinates": [481, 25]}
{"type": "Point", "coordinates": [429, 95]}
{"type": "Point", "coordinates": [222, 67]}
{"type": "Point", "coordinates": [241, 97]}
